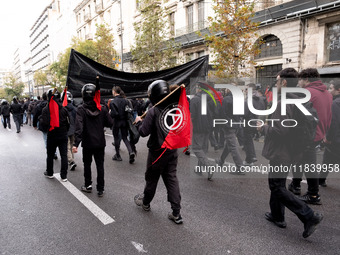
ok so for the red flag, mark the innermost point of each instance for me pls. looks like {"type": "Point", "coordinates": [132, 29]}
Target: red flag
{"type": "Point", "coordinates": [269, 95]}
{"type": "Point", "coordinates": [97, 94]}
{"type": "Point", "coordinates": [54, 113]}
{"type": "Point", "coordinates": [179, 135]}
{"type": "Point", "coordinates": [65, 97]}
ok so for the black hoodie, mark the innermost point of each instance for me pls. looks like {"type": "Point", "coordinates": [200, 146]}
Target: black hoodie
{"type": "Point", "coordinates": [89, 125]}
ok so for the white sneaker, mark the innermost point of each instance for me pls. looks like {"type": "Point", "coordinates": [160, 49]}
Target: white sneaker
{"type": "Point", "coordinates": [64, 180]}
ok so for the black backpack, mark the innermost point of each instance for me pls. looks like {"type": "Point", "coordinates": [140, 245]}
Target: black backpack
{"type": "Point", "coordinates": [304, 132]}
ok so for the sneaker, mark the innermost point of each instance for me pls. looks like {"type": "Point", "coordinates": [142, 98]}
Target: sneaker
{"type": "Point", "coordinates": [64, 180]}
{"type": "Point", "coordinates": [177, 219]}
{"type": "Point", "coordinates": [48, 176]}
{"type": "Point", "coordinates": [310, 225]}
{"type": "Point", "coordinates": [87, 189]}
{"type": "Point", "coordinates": [73, 166]}
{"type": "Point", "coordinates": [280, 224]}
{"type": "Point", "coordinates": [139, 201]}
{"type": "Point", "coordinates": [295, 190]}
{"type": "Point", "coordinates": [100, 193]}
{"type": "Point", "coordinates": [132, 157]}
{"type": "Point", "coordinates": [309, 199]}
{"type": "Point", "coordinates": [245, 163]}
{"type": "Point", "coordinates": [117, 157]}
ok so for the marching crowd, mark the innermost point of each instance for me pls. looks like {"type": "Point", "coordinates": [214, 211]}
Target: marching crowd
{"type": "Point", "coordinates": [85, 125]}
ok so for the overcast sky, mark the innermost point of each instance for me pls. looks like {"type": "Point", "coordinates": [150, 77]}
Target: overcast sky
{"type": "Point", "coordinates": [16, 19]}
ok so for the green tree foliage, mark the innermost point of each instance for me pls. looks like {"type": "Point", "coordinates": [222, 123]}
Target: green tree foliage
{"type": "Point", "coordinates": [13, 86]}
{"type": "Point", "coordinates": [100, 50]}
{"type": "Point", "coordinates": [155, 49]}
{"type": "Point", "coordinates": [231, 36]}
{"type": "Point", "coordinates": [104, 46]}
{"type": "Point", "coordinates": [40, 78]}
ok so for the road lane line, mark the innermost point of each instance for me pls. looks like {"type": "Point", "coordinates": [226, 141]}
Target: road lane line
{"type": "Point", "coordinates": [93, 208]}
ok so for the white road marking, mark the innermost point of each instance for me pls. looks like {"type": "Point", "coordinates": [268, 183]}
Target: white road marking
{"type": "Point", "coordinates": [139, 247]}
{"type": "Point", "coordinates": [93, 208]}
{"type": "Point", "coordinates": [232, 164]}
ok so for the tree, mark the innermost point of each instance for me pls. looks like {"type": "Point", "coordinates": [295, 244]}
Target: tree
{"type": "Point", "coordinates": [13, 86]}
{"type": "Point", "coordinates": [104, 46]}
{"type": "Point", "coordinates": [154, 49]}
{"type": "Point", "coordinates": [100, 50]}
{"type": "Point", "coordinates": [231, 36]}
{"type": "Point", "coordinates": [40, 78]}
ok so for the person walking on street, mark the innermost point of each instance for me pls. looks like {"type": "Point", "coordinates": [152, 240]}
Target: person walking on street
{"type": "Point", "coordinates": [280, 149]}
{"type": "Point", "coordinates": [332, 140]}
{"type": "Point", "coordinates": [16, 111]}
{"type": "Point", "coordinates": [119, 115]}
{"type": "Point", "coordinates": [160, 162]}
{"type": "Point", "coordinates": [5, 111]}
{"type": "Point", "coordinates": [55, 117]}
{"type": "Point", "coordinates": [89, 131]}
{"type": "Point", "coordinates": [322, 101]}
{"type": "Point", "coordinates": [70, 134]}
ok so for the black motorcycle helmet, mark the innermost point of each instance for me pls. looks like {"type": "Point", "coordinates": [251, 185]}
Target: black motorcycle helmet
{"type": "Point", "coordinates": [158, 90]}
{"type": "Point", "coordinates": [69, 96]}
{"type": "Point", "coordinates": [88, 92]}
{"type": "Point", "coordinates": [50, 94]}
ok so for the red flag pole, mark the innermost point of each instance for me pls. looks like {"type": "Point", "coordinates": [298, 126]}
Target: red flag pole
{"type": "Point", "coordinates": [65, 97]}
{"type": "Point", "coordinates": [163, 99]}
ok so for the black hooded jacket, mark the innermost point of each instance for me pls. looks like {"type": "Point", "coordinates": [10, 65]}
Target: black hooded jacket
{"type": "Point", "coordinates": [89, 125]}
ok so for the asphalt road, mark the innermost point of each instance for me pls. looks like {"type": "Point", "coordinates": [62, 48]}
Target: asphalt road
{"type": "Point", "coordinates": [223, 216]}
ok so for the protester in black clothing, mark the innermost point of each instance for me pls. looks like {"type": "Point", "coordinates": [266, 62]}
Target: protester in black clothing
{"type": "Point", "coordinates": [250, 131]}
{"type": "Point", "coordinates": [331, 155]}
{"type": "Point", "coordinates": [89, 130]}
{"type": "Point", "coordinates": [16, 111]}
{"type": "Point", "coordinates": [5, 111]}
{"type": "Point", "coordinates": [118, 113]}
{"type": "Point", "coordinates": [280, 149]}
{"type": "Point", "coordinates": [230, 134]}
{"type": "Point", "coordinates": [56, 136]}
{"type": "Point", "coordinates": [157, 164]}
{"type": "Point", "coordinates": [70, 134]}
{"type": "Point", "coordinates": [201, 128]}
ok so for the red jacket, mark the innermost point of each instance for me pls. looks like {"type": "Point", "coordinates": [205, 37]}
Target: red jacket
{"type": "Point", "coordinates": [322, 102]}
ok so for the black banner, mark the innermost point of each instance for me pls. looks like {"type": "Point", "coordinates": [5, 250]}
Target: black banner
{"type": "Point", "coordinates": [83, 70]}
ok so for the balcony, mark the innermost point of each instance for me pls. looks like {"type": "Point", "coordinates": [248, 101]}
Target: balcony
{"type": "Point", "coordinates": [99, 8]}
{"type": "Point", "coordinates": [87, 17]}
{"type": "Point", "coordinates": [88, 37]}
{"type": "Point", "coordinates": [191, 28]}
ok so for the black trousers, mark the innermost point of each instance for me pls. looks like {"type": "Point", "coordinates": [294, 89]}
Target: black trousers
{"type": "Point", "coordinates": [98, 154]}
{"type": "Point", "coordinates": [165, 166]}
{"type": "Point", "coordinates": [280, 198]}
{"type": "Point", "coordinates": [309, 157]}
{"type": "Point", "coordinates": [7, 122]}
{"type": "Point", "coordinates": [54, 141]}
{"type": "Point", "coordinates": [117, 138]}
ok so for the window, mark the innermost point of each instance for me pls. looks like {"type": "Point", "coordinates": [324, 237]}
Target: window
{"type": "Point", "coordinates": [271, 47]}
{"type": "Point", "coordinates": [201, 14]}
{"type": "Point", "coordinates": [266, 75]}
{"type": "Point", "coordinates": [333, 42]}
{"type": "Point", "coordinates": [190, 17]}
{"type": "Point", "coordinates": [172, 23]}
